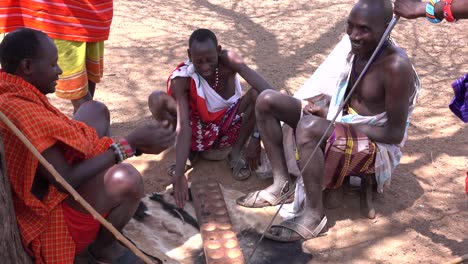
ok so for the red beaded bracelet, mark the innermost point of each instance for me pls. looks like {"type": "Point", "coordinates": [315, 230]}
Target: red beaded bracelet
{"type": "Point", "coordinates": [448, 11]}
{"type": "Point", "coordinates": [126, 148]}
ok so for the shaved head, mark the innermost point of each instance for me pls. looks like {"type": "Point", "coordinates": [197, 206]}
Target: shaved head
{"type": "Point", "coordinates": [378, 11]}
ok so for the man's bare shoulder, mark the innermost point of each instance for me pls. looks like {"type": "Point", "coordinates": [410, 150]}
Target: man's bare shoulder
{"type": "Point", "coordinates": [397, 61]}
{"type": "Point", "coordinates": [180, 84]}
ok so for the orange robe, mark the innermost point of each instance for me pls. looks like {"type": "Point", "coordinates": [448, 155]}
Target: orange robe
{"type": "Point", "coordinates": [42, 224]}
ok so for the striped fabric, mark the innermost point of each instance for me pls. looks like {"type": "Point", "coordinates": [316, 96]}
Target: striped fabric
{"type": "Point", "coordinates": [80, 62]}
{"type": "Point", "coordinates": [348, 152]}
{"type": "Point", "coordinates": [42, 224]}
{"type": "Point", "coordinates": [459, 103]}
{"type": "Point", "coordinates": [77, 20]}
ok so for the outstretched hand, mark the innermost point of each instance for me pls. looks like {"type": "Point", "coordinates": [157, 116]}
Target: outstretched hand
{"type": "Point", "coordinates": [410, 9]}
{"type": "Point", "coordinates": [252, 154]}
{"type": "Point", "coordinates": [180, 190]}
{"type": "Point", "coordinates": [152, 137]}
{"type": "Point", "coordinates": [231, 59]}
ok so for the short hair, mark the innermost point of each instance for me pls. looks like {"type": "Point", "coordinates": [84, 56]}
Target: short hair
{"type": "Point", "coordinates": [202, 34]}
{"type": "Point", "coordinates": [18, 45]}
{"type": "Point", "coordinates": [382, 9]}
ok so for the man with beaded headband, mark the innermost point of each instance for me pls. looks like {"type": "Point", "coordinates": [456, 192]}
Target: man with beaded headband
{"type": "Point", "coordinates": [204, 102]}
{"type": "Point", "coordinates": [53, 226]}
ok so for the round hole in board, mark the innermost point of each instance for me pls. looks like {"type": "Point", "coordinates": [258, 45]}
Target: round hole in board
{"type": "Point", "coordinates": [215, 254]}
{"type": "Point", "coordinates": [228, 234]}
{"type": "Point", "coordinates": [234, 253]}
{"type": "Point", "coordinates": [213, 244]}
{"type": "Point", "coordinates": [212, 184]}
{"type": "Point", "coordinates": [220, 211]}
{"type": "Point", "coordinates": [222, 219]}
{"type": "Point", "coordinates": [224, 226]}
{"type": "Point", "coordinates": [231, 243]}
{"type": "Point", "coordinates": [209, 227]}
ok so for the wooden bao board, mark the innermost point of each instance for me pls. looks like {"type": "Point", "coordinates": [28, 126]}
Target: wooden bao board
{"type": "Point", "coordinates": [219, 240]}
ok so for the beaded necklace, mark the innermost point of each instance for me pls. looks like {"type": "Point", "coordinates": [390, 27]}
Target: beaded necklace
{"type": "Point", "coordinates": [216, 83]}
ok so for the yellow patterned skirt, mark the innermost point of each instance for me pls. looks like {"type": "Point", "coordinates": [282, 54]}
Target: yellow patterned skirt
{"type": "Point", "coordinates": [80, 62]}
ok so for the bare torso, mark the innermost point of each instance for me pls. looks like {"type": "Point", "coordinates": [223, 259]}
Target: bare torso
{"type": "Point", "coordinates": [369, 97]}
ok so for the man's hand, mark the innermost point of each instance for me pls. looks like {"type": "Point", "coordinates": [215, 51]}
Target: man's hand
{"type": "Point", "coordinates": [317, 105]}
{"type": "Point", "coordinates": [410, 9]}
{"type": "Point", "coordinates": [180, 187]}
{"type": "Point", "coordinates": [313, 109]}
{"type": "Point", "coordinates": [231, 59]}
{"type": "Point", "coordinates": [152, 137]}
{"type": "Point", "coordinates": [252, 154]}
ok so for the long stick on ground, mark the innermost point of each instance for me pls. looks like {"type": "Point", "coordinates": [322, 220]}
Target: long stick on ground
{"type": "Point", "coordinates": [458, 260]}
{"type": "Point", "coordinates": [163, 257]}
{"type": "Point", "coordinates": [385, 35]}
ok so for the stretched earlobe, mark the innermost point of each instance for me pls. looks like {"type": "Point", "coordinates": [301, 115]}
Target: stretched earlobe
{"type": "Point", "coordinates": [25, 66]}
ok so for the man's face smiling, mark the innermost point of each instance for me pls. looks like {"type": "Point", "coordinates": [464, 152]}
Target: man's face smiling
{"type": "Point", "coordinates": [44, 70]}
{"type": "Point", "coordinates": [204, 56]}
{"type": "Point", "coordinates": [364, 32]}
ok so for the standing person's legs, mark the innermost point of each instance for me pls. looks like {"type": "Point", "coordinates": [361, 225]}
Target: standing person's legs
{"type": "Point", "coordinates": [82, 66]}
{"type": "Point", "coordinates": [271, 108]}
{"type": "Point", "coordinates": [115, 192]}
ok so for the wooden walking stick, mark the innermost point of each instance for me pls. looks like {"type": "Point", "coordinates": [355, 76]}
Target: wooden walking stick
{"type": "Point", "coordinates": [163, 257]}
{"type": "Point", "coordinates": [461, 259]}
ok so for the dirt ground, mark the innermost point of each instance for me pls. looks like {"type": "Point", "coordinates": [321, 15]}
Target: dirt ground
{"type": "Point", "coordinates": [422, 217]}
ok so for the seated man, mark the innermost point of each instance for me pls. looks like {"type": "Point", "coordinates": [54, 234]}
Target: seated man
{"type": "Point", "coordinates": [204, 98]}
{"type": "Point", "coordinates": [55, 227]}
{"type": "Point", "coordinates": [365, 138]}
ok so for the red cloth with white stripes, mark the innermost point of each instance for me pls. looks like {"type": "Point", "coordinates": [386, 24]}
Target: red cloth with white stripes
{"type": "Point", "coordinates": [75, 20]}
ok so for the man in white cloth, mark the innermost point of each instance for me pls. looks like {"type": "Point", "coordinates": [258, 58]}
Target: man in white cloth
{"type": "Point", "coordinates": [367, 136]}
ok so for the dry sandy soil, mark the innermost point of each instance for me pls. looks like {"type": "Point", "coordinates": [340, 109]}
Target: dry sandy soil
{"type": "Point", "coordinates": [422, 217]}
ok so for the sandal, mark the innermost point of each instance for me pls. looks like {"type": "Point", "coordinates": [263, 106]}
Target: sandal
{"type": "Point", "coordinates": [239, 168]}
{"type": "Point", "coordinates": [293, 231]}
{"type": "Point", "coordinates": [259, 199]}
{"type": "Point", "coordinates": [193, 157]}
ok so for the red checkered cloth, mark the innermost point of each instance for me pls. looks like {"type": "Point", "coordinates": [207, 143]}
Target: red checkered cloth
{"type": "Point", "coordinates": [42, 224]}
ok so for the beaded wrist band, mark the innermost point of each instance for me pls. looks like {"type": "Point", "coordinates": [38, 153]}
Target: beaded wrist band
{"type": "Point", "coordinates": [430, 11]}
{"type": "Point", "coordinates": [122, 150]}
{"type": "Point", "coordinates": [117, 152]}
{"type": "Point", "coordinates": [126, 148]}
{"type": "Point", "coordinates": [448, 11]}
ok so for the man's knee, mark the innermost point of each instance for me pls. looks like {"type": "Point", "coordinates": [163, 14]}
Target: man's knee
{"type": "Point", "coordinates": [309, 129]}
{"type": "Point", "coordinates": [124, 180]}
{"type": "Point", "coordinates": [266, 100]}
{"type": "Point", "coordinates": [156, 98]}
{"type": "Point", "coordinates": [95, 108]}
